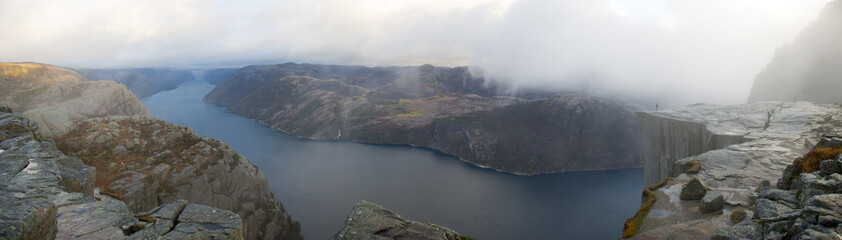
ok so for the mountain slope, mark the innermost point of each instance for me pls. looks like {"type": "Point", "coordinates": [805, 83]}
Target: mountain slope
{"type": "Point", "coordinates": [143, 82]}
{"type": "Point", "coordinates": [54, 97]}
{"type": "Point", "coordinates": [441, 108]}
{"type": "Point", "coordinates": [810, 68]}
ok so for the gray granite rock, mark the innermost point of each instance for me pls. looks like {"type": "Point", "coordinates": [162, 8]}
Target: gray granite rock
{"type": "Point", "coordinates": [693, 190]}
{"type": "Point", "coordinates": [371, 221]}
{"type": "Point", "coordinates": [829, 166]}
{"type": "Point", "coordinates": [712, 202]}
{"type": "Point", "coordinates": [749, 230]}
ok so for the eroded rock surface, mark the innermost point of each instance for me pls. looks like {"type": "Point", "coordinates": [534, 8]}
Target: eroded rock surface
{"type": "Point", "coordinates": [371, 221]}
{"type": "Point", "coordinates": [149, 162]}
{"type": "Point", "coordinates": [45, 194]}
{"type": "Point", "coordinates": [738, 147]}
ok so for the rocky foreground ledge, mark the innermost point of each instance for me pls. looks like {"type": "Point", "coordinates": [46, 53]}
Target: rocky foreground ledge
{"type": "Point", "coordinates": [45, 194]}
{"type": "Point", "coordinates": [727, 152]}
{"type": "Point", "coordinates": [371, 221]}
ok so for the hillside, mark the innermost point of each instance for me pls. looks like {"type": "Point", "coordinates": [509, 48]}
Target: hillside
{"type": "Point", "coordinates": [143, 82]}
{"type": "Point", "coordinates": [441, 108]}
{"type": "Point", "coordinates": [54, 97]}
{"type": "Point", "coordinates": [809, 69]}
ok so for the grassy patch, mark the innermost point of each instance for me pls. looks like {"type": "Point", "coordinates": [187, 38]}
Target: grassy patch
{"type": "Point", "coordinates": [810, 162]}
{"type": "Point", "coordinates": [693, 166]}
{"type": "Point", "coordinates": [463, 237]}
{"type": "Point", "coordinates": [738, 216]}
{"type": "Point", "coordinates": [633, 224]}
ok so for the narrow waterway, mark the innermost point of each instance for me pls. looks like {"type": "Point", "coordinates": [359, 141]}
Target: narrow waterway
{"type": "Point", "coordinates": [318, 182]}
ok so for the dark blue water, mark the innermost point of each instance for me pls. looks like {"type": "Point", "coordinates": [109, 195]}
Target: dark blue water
{"type": "Point", "coordinates": [318, 182]}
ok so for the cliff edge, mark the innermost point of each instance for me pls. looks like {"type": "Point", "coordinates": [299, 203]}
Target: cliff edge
{"type": "Point", "coordinates": [45, 194]}
{"type": "Point", "coordinates": [730, 149]}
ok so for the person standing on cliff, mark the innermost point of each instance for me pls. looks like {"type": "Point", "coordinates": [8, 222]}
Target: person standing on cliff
{"type": "Point", "coordinates": [656, 107]}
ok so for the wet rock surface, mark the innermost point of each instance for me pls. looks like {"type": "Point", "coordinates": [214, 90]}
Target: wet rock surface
{"type": "Point", "coordinates": [371, 221]}
{"type": "Point", "coordinates": [149, 162]}
{"type": "Point", "coordinates": [739, 147]}
{"type": "Point", "coordinates": [45, 194]}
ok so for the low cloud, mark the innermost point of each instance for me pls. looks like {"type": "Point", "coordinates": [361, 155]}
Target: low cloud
{"type": "Point", "coordinates": [679, 51]}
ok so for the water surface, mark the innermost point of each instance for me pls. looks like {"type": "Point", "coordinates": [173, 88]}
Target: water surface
{"type": "Point", "coordinates": [318, 182]}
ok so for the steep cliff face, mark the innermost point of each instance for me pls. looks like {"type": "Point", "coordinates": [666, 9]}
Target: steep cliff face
{"type": "Point", "coordinates": [45, 194]}
{"type": "Point", "coordinates": [738, 147]}
{"type": "Point", "coordinates": [809, 68]}
{"type": "Point", "coordinates": [143, 82]}
{"type": "Point", "coordinates": [441, 108]}
{"type": "Point", "coordinates": [54, 97]}
{"type": "Point", "coordinates": [371, 221]}
{"type": "Point", "coordinates": [149, 162]}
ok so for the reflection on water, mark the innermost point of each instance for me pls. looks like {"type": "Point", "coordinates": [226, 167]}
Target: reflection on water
{"type": "Point", "coordinates": [319, 181]}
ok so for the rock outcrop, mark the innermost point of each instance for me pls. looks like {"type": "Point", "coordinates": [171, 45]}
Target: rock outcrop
{"type": "Point", "coordinates": [143, 82]}
{"type": "Point", "coordinates": [809, 68]}
{"type": "Point", "coordinates": [55, 97]}
{"type": "Point", "coordinates": [446, 109]}
{"type": "Point", "coordinates": [45, 194]}
{"type": "Point", "coordinates": [737, 147]}
{"type": "Point", "coordinates": [371, 221]}
{"type": "Point", "coordinates": [808, 207]}
{"type": "Point", "coordinates": [149, 162]}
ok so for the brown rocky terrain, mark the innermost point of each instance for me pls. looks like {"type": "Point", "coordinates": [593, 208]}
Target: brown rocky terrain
{"type": "Point", "coordinates": [45, 194]}
{"type": "Point", "coordinates": [148, 162]}
{"type": "Point", "coordinates": [447, 109]}
{"type": "Point", "coordinates": [55, 97]}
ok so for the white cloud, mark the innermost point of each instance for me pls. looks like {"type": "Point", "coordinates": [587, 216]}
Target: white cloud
{"type": "Point", "coordinates": [681, 50]}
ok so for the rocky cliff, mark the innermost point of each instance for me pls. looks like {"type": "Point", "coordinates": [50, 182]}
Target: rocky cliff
{"type": "Point", "coordinates": [371, 221]}
{"type": "Point", "coordinates": [809, 68]}
{"type": "Point", "coordinates": [54, 97]}
{"type": "Point", "coordinates": [148, 161]}
{"type": "Point", "coordinates": [45, 194]}
{"type": "Point", "coordinates": [143, 82]}
{"type": "Point", "coordinates": [447, 109]}
{"type": "Point", "coordinates": [730, 150]}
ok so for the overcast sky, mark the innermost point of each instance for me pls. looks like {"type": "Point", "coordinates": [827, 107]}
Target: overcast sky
{"type": "Point", "coordinates": [676, 50]}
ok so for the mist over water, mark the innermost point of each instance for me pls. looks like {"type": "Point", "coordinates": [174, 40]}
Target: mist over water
{"type": "Point", "coordinates": [318, 182]}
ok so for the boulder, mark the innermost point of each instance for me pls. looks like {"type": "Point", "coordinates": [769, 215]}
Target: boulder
{"type": "Point", "coordinates": [829, 166]}
{"type": "Point", "coordinates": [693, 190]}
{"type": "Point", "coordinates": [371, 221]}
{"type": "Point", "coordinates": [767, 209]}
{"type": "Point", "coordinates": [712, 202]}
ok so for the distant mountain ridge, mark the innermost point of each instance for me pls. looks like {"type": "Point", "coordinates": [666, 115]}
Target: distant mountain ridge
{"type": "Point", "coordinates": [143, 82]}
{"type": "Point", "coordinates": [810, 69]}
{"type": "Point", "coordinates": [443, 108]}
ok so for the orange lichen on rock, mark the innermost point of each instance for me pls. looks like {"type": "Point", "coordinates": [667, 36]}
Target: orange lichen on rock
{"type": "Point", "coordinates": [810, 162]}
{"type": "Point", "coordinates": [633, 224]}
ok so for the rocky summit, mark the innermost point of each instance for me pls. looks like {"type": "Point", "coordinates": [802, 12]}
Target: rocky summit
{"type": "Point", "coordinates": [147, 162]}
{"type": "Point", "coordinates": [55, 97]}
{"type": "Point", "coordinates": [371, 221]}
{"type": "Point", "coordinates": [742, 151]}
{"type": "Point", "coordinates": [446, 109]}
{"type": "Point", "coordinates": [45, 194]}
